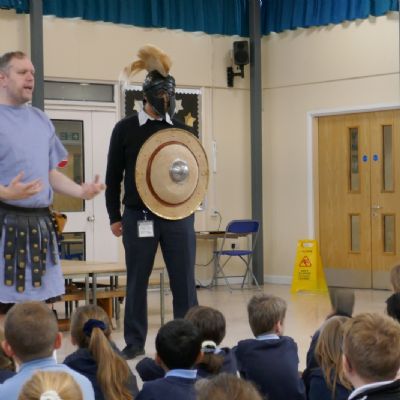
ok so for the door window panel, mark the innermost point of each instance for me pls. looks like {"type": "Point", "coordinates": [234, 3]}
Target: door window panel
{"type": "Point", "coordinates": [71, 133]}
{"type": "Point", "coordinates": [389, 233]}
{"type": "Point", "coordinates": [355, 233]}
{"type": "Point", "coordinates": [354, 161]}
{"type": "Point", "coordinates": [388, 184]}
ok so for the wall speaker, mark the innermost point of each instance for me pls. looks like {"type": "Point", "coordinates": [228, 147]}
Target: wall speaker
{"type": "Point", "coordinates": [241, 52]}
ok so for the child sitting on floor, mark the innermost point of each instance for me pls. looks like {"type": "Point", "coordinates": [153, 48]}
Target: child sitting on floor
{"type": "Point", "coordinates": [371, 357]}
{"type": "Point", "coordinates": [97, 356]}
{"type": "Point", "coordinates": [51, 385]}
{"type": "Point", "coordinates": [226, 387]}
{"type": "Point", "coordinates": [178, 345]}
{"type": "Point", "coordinates": [31, 336]}
{"type": "Point", "coordinates": [270, 360]}
{"type": "Point", "coordinates": [212, 326]}
{"type": "Point", "coordinates": [342, 301]}
{"type": "Point", "coordinates": [326, 382]}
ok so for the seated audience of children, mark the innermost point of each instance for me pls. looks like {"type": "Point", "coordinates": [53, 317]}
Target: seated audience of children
{"type": "Point", "coordinates": [270, 360]}
{"type": "Point", "coordinates": [371, 357]}
{"type": "Point", "coordinates": [178, 346]}
{"type": "Point", "coordinates": [49, 385]}
{"type": "Point", "coordinates": [97, 357]}
{"type": "Point", "coordinates": [31, 336]}
{"type": "Point", "coordinates": [212, 327]}
{"type": "Point", "coordinates": [326, 382]}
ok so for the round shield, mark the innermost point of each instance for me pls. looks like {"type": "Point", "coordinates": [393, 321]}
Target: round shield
{"type": "Point", "coordinates": [172, 173]}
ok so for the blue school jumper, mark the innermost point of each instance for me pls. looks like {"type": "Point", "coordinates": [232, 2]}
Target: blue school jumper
{"type": "Point", "coordinates": [178, 384]}
{"type": "Point", "coordinates": [271, 363]}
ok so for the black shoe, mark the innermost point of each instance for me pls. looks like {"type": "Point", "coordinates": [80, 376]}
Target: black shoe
{"type": "Point", "coordinates": [130, 352]}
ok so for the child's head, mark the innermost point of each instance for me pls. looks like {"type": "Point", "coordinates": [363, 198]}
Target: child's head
{"type": "Point", "coordinates": [328, 351]}
{"type": "Point", "coordinates": [393, 306]}
{"type": "Point", "coordinates": [226, 387]}
{"type": "Point", "coordinates": [371, 349]}
{"type": "Point", "coordinates": [209, 321]}
{"type": "Point", "coordinates": [178, 344]}
{"type": "Point", "coordinates": [51, 385]}
{"type": "Point", "coordinates": [395, 278]}
{"type": "Point", "coordinates": [91, 329]}
{"type": "Point", "coordinates": [211, 325]}
{"type": "Point", "coordinates": [31, 330]}
{"type": "Point", "coordinates": [90, 318]}
{"type": "Point", "coordinates": [266, 314]}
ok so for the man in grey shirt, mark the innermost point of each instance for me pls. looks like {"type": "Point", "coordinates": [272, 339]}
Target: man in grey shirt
{"type": "Point", "coordinates": [29, 154]}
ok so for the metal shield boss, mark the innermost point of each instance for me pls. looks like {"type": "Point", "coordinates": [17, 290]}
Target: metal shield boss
{"type": "Point", "coordinates": [172, 173]}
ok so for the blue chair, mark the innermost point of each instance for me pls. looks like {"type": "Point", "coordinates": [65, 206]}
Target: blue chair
{"type": "Point", "coordinates": [236, 229]}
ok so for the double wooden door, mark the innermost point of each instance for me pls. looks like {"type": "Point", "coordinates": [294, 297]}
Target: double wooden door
{"type": "Point", "coordinates": [359, 197]}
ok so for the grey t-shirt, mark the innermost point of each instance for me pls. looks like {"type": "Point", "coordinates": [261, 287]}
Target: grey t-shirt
{"type": "Point", "coordinates": [28, 144]}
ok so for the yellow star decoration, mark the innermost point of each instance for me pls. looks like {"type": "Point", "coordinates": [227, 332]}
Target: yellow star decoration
{"type": "Point", "coordinates": [189, 120]}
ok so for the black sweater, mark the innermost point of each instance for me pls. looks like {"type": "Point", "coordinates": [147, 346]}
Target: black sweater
{"type": "Point", "coordinates": [126, 140]}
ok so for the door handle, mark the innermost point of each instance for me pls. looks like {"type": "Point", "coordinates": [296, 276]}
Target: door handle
{"type": "Point", "coordinates": [376, 207]}
{"type": "Point", "coordinates": [90, 218]}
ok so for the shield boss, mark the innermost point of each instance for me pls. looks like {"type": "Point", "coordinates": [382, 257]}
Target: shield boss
{"type": "Point", "coordinates": [172, 173]}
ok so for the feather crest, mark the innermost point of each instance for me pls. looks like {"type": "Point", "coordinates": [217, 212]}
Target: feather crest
{"type": "Point", "coordinates": [150, 58]}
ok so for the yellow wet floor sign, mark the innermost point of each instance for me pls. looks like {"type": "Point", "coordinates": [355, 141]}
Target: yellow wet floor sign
{"type": "Point", "coordinates": [308, 274]}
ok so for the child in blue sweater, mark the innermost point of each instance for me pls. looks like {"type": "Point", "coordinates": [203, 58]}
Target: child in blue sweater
{"type": "Point", "coordinates": [178, 345]}
{"type": "Point", "coordinates": [97, 357]}
{"type": "Point", "coordinates": [270, 360]}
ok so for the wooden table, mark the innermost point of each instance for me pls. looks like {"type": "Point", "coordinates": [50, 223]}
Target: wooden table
{"type": "Point", "coordinates": [90, 271]}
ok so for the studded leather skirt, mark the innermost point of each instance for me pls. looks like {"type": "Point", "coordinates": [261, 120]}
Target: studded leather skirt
{"type": "Point", "coordinates": [29, 234]}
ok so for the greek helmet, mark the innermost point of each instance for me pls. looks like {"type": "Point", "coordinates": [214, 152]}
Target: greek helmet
{"type": "Point", "coordinates": [158, 86]}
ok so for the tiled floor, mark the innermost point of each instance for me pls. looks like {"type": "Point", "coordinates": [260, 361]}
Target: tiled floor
{"type": "Point", "coordinates": [306, 311]}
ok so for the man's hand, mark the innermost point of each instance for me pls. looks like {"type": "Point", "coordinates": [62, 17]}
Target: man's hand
{"type": "Point", "coordinates": [116, 228]}
{"type": "Point", "coordinates": [18, 190]}
{"type": "Point", "coordinates": [90, 190]}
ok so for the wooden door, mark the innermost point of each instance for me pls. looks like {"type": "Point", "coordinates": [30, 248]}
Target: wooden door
{"type": "Point", "coordinates": [359, 198]}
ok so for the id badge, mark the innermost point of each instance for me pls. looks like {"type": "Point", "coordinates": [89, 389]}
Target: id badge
{"type": "Point", "coordinates": [145, 228]}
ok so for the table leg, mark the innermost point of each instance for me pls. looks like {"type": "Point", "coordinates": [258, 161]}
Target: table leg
{"type": "Point", "coordinates": [87, 297]}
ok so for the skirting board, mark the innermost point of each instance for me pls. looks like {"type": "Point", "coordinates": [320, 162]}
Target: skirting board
{"type": "Point", "coordinates": [278, 279]}
{"type": "Point", "coordinates": [274, 279]}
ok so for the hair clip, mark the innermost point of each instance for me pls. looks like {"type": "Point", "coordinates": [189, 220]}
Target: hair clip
{"type": "Point", "coordinates": [50, 395]}
{"type": "Point", "coordinates": [208, 346]}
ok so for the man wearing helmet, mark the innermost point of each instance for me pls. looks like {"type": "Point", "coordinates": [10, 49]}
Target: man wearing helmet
{"type": "Point", "coordinates": [140, 228]}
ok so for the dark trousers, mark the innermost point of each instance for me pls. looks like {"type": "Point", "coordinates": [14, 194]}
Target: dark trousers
{"type": "Point", "coordinates": [178, 245]}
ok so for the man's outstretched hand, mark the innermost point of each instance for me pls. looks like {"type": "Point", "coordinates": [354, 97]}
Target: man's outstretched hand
{"type": "Point", "coordinates": [17, 190]}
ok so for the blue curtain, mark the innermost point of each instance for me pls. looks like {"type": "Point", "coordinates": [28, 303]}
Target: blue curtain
{"type": "Point", "coordinates": [21, 6]}
{"type": "Point", "coordinates": [280, 15]}
{"type": "Point", "coordinates": [225, 17]}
